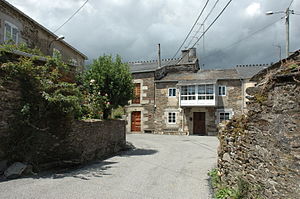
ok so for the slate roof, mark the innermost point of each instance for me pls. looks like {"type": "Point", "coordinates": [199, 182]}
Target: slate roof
{"type": "Point", "coordinates": [149, 66]}
{"type": "Point", "coordinates": [238, 72]}
{"type": "Point", "coordinates": [201, 75]}
{"type": "Point", "coordinates": [248, 71]}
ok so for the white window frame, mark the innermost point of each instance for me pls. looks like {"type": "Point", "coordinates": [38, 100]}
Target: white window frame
{"type": "Point", "coordinates": [224, 112]}
{"type": "Point", "coordinates": [172, 91]}
{"type": "Point", "coordinates": [12, 27]}
{"type": "Point", "coordinates": [223, 88]}
{"type": "Point", "coordinates": [206, 95]}
{"type": "Point", "coordinates": [55, 52]}
{"type": "Point", "coordinates": [190, 93]}
{"type": "Point", "coordinates": [171, 118]}
{"type": "Point", "coordinates": [198, 95]}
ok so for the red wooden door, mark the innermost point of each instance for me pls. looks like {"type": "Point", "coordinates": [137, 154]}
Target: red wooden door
{"type": "Point", "coordinates": [199, 123]}
{"type": "Point", "coordinates": [136, 121]}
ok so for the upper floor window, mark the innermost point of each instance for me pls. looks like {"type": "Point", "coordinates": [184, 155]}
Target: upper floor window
{"type": "Point", "coordinates": [172, 92]}
{"type": "Point", "coordinates": [202, 92]}
{"type": "Point", "coordinates": [73, 61]}
{"type": "Point", "coordinates": [137, 94]}
{"type": "Point", "coordinates": [11, 33]}
{"type": "Point", "coordinates": [188, 93]}
{"type": "Point", "coordinates": [56, 53]}
{"type": "Point", "coordinates": [206, 92]}
{"type": "Point", "coordinates": [222, 90]}
{"type": "Point", "coordinates": [172, 118]}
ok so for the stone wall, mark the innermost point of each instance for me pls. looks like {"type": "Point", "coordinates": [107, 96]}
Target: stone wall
{"type": "Point", "coordinates": [262, 150]}
{"type": "Point", "coordinates": [93, 139]}
{"type": "Point", "coordinates": [65, 140]}
{"type": "Point", "coordinates": [10, 96]}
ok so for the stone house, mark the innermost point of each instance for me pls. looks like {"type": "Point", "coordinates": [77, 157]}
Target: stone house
{"type": "Point", "coordinates": [16, 27]}
{"type": "Point", "coordinates": [181, 98]}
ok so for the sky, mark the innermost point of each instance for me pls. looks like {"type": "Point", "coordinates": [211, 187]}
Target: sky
{"type": "Point", "coordinates": [133, 28]}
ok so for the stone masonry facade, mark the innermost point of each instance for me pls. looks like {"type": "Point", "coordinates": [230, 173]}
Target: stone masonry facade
{"type": "Point", "coordinates": [160, 112]}
{"type": "Point", "coordinates": [262, 149]}
{"type": "Point", "coordinates": [35, 35]}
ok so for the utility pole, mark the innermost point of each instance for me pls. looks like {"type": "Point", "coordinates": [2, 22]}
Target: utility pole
{"type": "Point", "coordinates": [287, 31]}
{"type": "Point", "coordinates": [287, 13]}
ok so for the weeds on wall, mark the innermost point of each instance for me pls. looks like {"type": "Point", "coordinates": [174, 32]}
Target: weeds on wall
{"type": "Point", "coordinates": [242, 190]}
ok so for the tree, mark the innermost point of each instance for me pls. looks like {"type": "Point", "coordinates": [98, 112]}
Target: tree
{"type": "Point", "coordinates": [110, 82]}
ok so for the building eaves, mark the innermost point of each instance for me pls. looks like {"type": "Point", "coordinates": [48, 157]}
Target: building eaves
{"type": "Point", "coordinates": [44, 28]}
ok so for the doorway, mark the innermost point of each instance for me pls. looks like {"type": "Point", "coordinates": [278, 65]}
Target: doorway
{"type": "Point", "coordinates": [199, 123]}
{"type": "Point", "coordinates": [136, 121]}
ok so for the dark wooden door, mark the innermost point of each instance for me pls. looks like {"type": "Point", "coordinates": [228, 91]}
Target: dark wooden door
{"type": "Point", "coordinates": [136, 121]}
{"type": "Point", "coordinates": [199, 123]}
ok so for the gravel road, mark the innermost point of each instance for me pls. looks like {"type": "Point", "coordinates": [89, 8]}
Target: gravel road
{"type": "Point", "coordinates": [160, 167]}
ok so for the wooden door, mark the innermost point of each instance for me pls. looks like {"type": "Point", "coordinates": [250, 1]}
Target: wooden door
{"type": "Point", "coordinates": [136, 121]}
{"type": "Point", "coordinates": [199, 123]}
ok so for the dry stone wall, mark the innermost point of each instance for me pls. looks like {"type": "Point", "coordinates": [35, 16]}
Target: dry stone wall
{"type": "Point", "coordinates": [67, 141]}
{"type": "Point", "coordinates": [263, 149]}
{"type": "Point", "coordinates": [10, 96]}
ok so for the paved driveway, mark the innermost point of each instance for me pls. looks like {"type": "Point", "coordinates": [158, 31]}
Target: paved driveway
{"type": "Point", "coordinates": [161, 167]}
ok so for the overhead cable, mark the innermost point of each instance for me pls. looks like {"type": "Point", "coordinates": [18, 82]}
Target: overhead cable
{"type": "Point", "coordinates": [214, 6]}
{"type": "Point", "coordinates": [248, 36]}
{"type": "Point", "coordinates": [208, 27]}
{"type": "Point", "coordinates": [191, 29]}
{"type": "Point", "coordinates": [71, 16]}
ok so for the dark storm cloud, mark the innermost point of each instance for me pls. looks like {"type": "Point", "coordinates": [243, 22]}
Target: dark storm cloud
{"type": "Point", "coordinates": [133, 28]}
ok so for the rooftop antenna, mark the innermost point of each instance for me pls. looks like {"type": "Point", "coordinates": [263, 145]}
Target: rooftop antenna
{"type": "Point", "coordinates": [159, 56]}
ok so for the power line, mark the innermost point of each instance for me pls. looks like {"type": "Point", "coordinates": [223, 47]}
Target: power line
{"type": "Point", "coordinates": [191, 29]}
{"type": "Point", "coordinates": [209, 27]}
{"type": "Point", "coordinates": [202, 24]}
{"type": "Point", "coordinates": [248, 36]}
{"type": "Point", "coordinates": [212, 23]}
{"type": "Point", "coordinates": [291, 4]}
{"type": "Point", "coordinates": [71, 16]}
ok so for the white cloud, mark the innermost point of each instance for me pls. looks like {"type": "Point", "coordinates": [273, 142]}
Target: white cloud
{"type": "Point", "coordinates": [132, 28]}
{"type": "Point", "coordinates": [253, 9]}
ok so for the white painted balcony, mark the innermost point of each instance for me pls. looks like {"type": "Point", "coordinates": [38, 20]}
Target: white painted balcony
{"type": "Point", "coordinates": [198, 95]}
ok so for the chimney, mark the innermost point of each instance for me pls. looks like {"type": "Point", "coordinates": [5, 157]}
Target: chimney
{"type": "Point", "coordinates": [159, 56]}
{"type": "Point", "coordinates": [184, 56]}
{"type": "Point", "coordinates": [192, 54]}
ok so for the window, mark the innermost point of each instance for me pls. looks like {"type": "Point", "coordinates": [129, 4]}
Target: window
{"type": "Point", "coordinates": [73, 62]}
{"type": "Point", "coordinates": [206, 92]}
{"type": "Point", "coordinates": [11, 33]}
{"type": "Point", "coordinates": [222, 90]}
{"type": "Point", "coordinates": [172, 118]}
{"type": "Point", "coordinates": [137, 93]}
{"type": "Point", "coordinates": [172, 92]}
{"type": "Point", "coordinates": [188, 93]}
{"type": "Point", "coordinates": [56, 53]}
{"type": "Point", "coordinates": [224, 116]}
